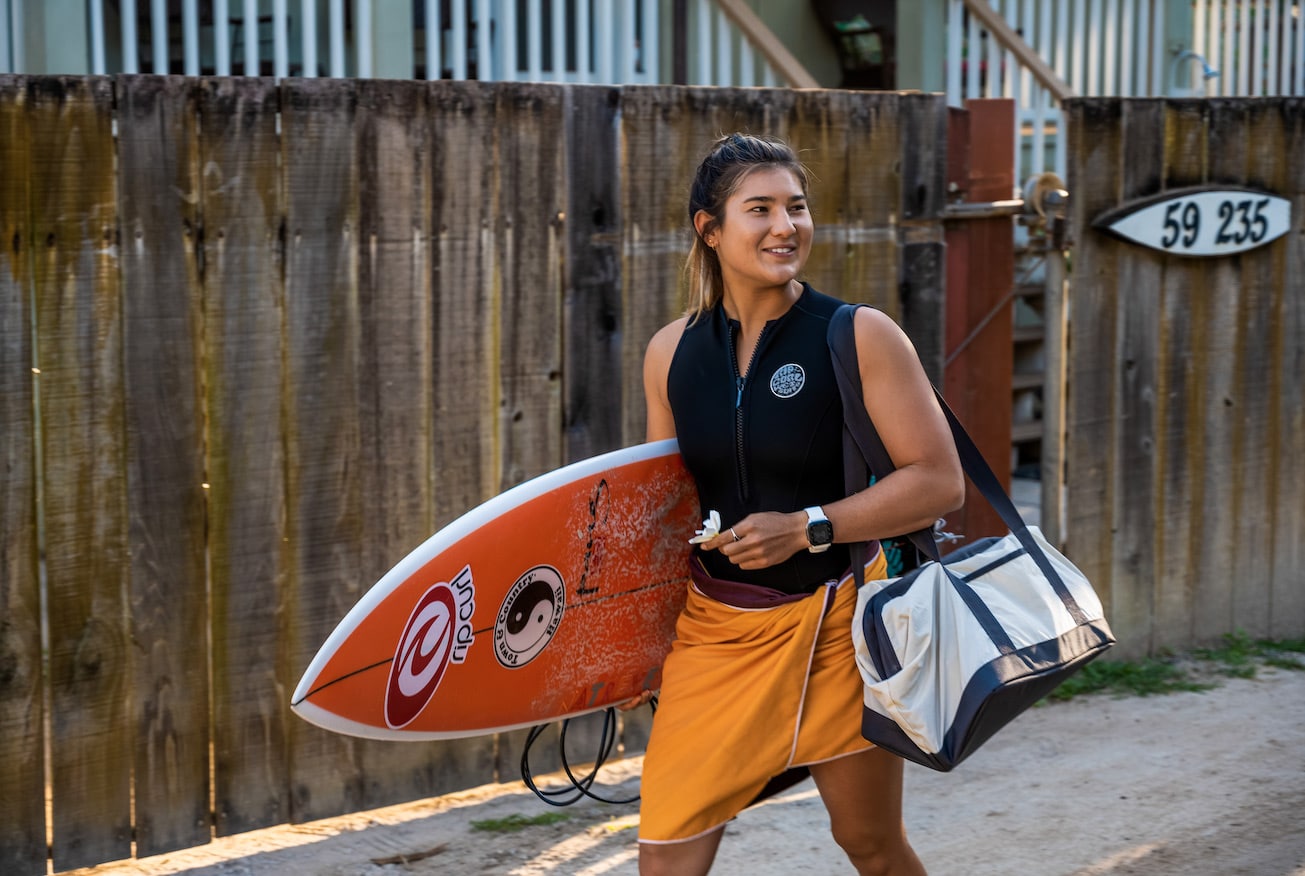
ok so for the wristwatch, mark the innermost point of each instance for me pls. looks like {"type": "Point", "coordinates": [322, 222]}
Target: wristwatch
{"type": "Point", "coordinates": [820, 532]}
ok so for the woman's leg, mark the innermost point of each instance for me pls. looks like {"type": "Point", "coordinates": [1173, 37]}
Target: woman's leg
{"type": "Point", "coordinates": [689, 858]}
{"type": "Point", "coordinates": [863, 793]}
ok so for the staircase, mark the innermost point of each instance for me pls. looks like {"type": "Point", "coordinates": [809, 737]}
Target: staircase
{"type": "Point", "coordinates": [1040, 53]}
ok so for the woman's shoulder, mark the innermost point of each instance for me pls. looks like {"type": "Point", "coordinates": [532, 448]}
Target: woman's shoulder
{"type": "Point", "coordinates": [876, 324]}
{"type": "Point", "coordinates": [671, 332]}
{"type": "Point", "coordinates": [666, 339]}
{"type": "Point", "coordinates": [881, 344]}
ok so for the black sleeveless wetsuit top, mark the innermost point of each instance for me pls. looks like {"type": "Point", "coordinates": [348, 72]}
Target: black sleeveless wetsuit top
{"type": "Point", "coordinates": [770, 440]}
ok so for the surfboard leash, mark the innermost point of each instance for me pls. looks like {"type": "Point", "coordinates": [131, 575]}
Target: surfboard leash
{"type": "Point", "coordinates": [580, 786]}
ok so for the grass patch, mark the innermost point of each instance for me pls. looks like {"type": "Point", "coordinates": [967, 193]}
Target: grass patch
{"type": "Point", "coordinates": [1239, 656]}
{"type": "Point", "coordinates": [1128, 678]}
{"type": "Point", "coordinates": [514, 822]}
{"type": "Point", "coordinates": [1285, 663]}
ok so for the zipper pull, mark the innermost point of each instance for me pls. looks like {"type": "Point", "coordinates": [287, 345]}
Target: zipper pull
{"type": "Point", "coordinates": [738, 398]}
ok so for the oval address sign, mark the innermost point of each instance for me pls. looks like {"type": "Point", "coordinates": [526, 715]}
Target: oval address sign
{"type": "Point", "coordinates": [1205, 221]}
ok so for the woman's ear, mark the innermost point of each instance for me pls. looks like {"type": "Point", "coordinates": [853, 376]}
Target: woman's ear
{"type": "Point", "coordinates": [706, 227]}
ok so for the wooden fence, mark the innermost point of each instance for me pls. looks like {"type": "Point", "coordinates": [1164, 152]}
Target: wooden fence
{"type": "Point", "coordinates": [1185, 465]}
{"type": "Point", "coordinates": [256, 342]}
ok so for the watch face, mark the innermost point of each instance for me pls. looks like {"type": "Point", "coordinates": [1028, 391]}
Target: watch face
{"type": "Point", "coordinates": [820, 532]}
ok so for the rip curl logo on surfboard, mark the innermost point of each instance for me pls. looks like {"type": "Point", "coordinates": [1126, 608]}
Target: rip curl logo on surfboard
{"type": "Point", "coordinates": [438, 633]}
{"type": "Point", "coordinates": [529, 616]}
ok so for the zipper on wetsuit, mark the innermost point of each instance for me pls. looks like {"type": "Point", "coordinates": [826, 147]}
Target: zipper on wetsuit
{"type": "Point", "coordinates": [740, 381]}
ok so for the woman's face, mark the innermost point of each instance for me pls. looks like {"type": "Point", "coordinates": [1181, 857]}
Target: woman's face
{"type": "Point", "coordinates": [764, 238]}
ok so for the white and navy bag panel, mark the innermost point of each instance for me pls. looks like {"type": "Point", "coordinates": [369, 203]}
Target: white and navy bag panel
{"type": "Point", "coordinates": [952, 651]}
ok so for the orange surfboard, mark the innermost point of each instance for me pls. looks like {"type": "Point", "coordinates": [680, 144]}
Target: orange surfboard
{"type": "Point", "coordinates": [556, 598]}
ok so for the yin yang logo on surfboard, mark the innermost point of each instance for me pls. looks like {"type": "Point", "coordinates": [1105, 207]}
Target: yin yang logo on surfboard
{"type": "Point", "coordinates": [529, 616]}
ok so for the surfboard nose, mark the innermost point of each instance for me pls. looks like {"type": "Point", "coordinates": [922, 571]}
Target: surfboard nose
{"type": "Point", "coordinates": [303, 689]}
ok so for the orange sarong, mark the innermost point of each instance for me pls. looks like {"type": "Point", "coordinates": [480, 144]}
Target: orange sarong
{"type": "Point", "coordinates": [747, 694]}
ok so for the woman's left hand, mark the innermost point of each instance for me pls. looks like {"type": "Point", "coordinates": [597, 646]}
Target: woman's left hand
{"type": "Point", "coordinates": [759, 541]}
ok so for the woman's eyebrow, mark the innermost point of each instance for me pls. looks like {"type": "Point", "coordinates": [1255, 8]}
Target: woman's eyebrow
{"type": "Point", "coordinates": [769, 199]}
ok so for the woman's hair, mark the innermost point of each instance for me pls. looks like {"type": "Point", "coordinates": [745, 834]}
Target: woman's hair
{"type": "Point", "coordinates": [731, 158]}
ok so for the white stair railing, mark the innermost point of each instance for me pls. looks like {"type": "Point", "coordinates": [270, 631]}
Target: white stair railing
{"type": "Point", "coordinates": [608, 41]}
{"type": "Point", "coordinates": [11, 36]}
{"type": "Point", "coordinates": [1257, 47]}
{"type": "Point", "coordinates": [1117, 48]}
{"type": "Point", "coordinates": [598, 41]}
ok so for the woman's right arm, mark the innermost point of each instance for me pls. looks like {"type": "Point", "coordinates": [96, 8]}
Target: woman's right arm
{"type": "Point", "coordinates": [656, 368]}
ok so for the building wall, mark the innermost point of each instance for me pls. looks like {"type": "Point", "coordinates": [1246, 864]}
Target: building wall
{"type": "Point", "coordinates": [796, 24]}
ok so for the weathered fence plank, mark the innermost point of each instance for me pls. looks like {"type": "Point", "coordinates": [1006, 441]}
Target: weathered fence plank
{"type": "Point", "coordinates": [1140, 305]}
{"type": "Point", "coordinates": [591, 310]}
{"type": "Point", "coordinates": [320, 171]}
{"type": "Point", "coordinates": [79, 352]}
{"type": "Point", "coordinates": [658, 158]}
{"type": "Point", "coordinates": [592, 399]}
{"type": "Point", "coordinates": [1287, 510]}
{"type": "Point", "coordinates": [1095, 148]}
{"type": "Point", "coordinates": [532, 210]}
{"type": "Point", "coordinates": [22, 740]}
{"type": "Point", "coordinates": [394, 375]}
{"type": "Point", "coordinates": [244, 316]}
{"type": "Point", "coordinates": [1216, 311]}
{"type": "Point", "coordinates": [918, 284]}
{"type": "Point", "coordinates": [531, 240]}
{"type": "Point", "coordinates": [1255, 461]}
{"type": "Point", "coordinates": [1179, 468]}
{"type": "Point", "coordinates": [158, 163]}
{"type": "Point", "coordinates": [462, 120]}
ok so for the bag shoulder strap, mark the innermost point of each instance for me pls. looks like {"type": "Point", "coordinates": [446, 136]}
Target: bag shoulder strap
{"type": "Point", "coordinates": [861, 440]}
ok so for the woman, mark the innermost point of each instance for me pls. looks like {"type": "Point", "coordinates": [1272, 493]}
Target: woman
{"type": "Point", "coordinates": [762, 677]}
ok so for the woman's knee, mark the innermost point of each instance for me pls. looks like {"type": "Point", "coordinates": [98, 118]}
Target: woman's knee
{"type": "Point", "coordinates": [679, 859]}
{"type": "Point", "coordinates": [863, 837]}
{"type": "Point", "coordinates": [876, 848]}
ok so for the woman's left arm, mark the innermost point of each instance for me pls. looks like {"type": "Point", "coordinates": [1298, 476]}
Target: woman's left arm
{"type": "Point", "coordinates": [928, 481]}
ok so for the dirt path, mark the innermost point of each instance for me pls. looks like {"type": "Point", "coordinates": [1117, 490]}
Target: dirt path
{"type": "Point", "coordinates": [1191, 783]}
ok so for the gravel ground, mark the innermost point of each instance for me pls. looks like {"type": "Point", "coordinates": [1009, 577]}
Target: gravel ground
{"type": "Point", "coordinates": [1188, 783]}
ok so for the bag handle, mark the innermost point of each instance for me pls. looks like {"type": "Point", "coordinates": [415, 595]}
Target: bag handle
{"type": "Point", "coordinates": [861, 439]}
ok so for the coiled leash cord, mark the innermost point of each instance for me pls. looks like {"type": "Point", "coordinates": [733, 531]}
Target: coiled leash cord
{"type": "Point", "coordinates": [579, 788]}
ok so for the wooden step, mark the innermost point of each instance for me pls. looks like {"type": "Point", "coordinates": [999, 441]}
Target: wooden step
{"type": "Point", "coordinates": [1029, 430]}
{"type": "Point", "coordinates": [1026, 333]}
{"type": "Point", "coordinates": [1028, 380]}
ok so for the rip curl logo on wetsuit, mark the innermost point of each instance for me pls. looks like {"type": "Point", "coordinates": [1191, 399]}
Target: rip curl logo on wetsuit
{"type": "Point", "coordinates": [438, 633]}
{"type": "Point", "coordinates": [787, 381]}
{"type": "Point", "coordinates": [529, 617]}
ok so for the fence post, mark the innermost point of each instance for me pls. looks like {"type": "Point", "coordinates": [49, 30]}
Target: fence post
{"type": "Point", "coordinates": [979, 356]}
{"type": "Point", "coordinates": [1052, 458]}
